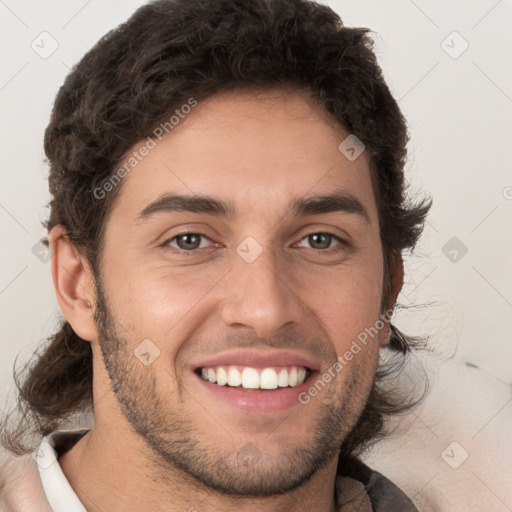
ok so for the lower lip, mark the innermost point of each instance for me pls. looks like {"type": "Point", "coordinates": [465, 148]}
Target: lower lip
{"type": "Point", "coordinates": [257, 400]}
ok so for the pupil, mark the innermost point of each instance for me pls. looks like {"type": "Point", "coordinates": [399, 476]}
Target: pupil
{"type": "Point", "coordinates": [187, 240]}
{"type": "Point", "coordinates": [316, 236]}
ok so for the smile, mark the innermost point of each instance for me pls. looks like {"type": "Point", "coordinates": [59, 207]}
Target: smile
{"type": "Point", "coordinates": [255, 378]}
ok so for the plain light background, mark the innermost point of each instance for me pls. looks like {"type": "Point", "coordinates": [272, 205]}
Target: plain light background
{"type": "Point", "coordinates": [458, 102]}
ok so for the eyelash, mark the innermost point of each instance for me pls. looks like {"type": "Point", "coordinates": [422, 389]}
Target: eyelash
{"type": "Point", "coordinates": [334, 249]}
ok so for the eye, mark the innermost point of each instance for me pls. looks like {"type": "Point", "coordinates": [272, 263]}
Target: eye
{"type": "Point", "coordinates": [187, 241]}
{"type": "Point", "coordinates": [322, 241]}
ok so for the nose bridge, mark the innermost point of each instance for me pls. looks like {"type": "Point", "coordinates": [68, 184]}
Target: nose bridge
{"type": "Point", "coordinates": [258, 294]}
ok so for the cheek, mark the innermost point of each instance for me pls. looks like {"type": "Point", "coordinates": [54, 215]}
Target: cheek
{"type": "Point", "coordinates": [346, 300]}
{"type": "Point", "coordinates": [159, 303]}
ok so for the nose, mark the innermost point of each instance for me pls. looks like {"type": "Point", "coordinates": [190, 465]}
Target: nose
{"type": "Point", "coordinates": [260, 295]}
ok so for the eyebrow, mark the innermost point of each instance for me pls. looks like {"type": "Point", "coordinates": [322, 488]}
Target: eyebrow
{"type": "Point", "coordinates": [337, 201]}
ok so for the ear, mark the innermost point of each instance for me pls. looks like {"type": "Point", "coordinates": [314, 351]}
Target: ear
{"type": "Point", "coordinates": [396, 278]}
{"type": "Point", "coordinates": [74, 284]}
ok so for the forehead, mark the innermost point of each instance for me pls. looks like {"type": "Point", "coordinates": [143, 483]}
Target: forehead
{"type": "Point", "coordinates": [258, 150]}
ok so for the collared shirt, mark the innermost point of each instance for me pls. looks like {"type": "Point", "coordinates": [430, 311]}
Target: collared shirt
{"type": "Point", "coordinates": [358, 487]}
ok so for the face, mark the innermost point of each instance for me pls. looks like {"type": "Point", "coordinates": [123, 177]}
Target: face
{"type": "Point", "coordinates": [218, 317]}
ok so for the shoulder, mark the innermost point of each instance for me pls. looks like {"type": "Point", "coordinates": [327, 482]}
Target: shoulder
{"type": "Point", "coordinates": [20, 485]}
{"type": "Point", "coordinates": [385, 496]}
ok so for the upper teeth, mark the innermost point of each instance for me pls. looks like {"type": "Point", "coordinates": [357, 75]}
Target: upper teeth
{"type": "Point", "coordinates": [255, 378]}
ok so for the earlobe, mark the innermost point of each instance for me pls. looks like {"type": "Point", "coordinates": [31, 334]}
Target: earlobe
{"type": "Point", "coordinates": [73, 282]}
{"type": "Point", "coordinates": [396, 281]}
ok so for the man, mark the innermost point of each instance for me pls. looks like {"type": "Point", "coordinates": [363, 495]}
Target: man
{"type": "Point", "coordinates": [226, 230]}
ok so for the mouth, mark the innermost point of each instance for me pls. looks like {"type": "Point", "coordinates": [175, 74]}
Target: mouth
{"type": "Point", "coordinates": [255, 381]}
{"type": "Point", "coordinates": [249, 378]}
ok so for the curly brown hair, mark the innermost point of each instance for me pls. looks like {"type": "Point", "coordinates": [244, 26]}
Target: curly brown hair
{"type": "Point", "coordinates": [167, 52]}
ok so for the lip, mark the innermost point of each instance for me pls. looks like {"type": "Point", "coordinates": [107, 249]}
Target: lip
{"type": "Point", "coordinates": [257, 359]}
{"type": "Point", "coordinates": [258, 401]}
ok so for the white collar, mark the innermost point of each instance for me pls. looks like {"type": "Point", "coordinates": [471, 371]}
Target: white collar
{"type": "Point", "coordinates": [60, 495]}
